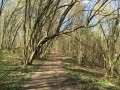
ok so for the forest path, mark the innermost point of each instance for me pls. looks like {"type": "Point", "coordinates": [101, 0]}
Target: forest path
{"type": "Point", "coordinates": [50, 76]}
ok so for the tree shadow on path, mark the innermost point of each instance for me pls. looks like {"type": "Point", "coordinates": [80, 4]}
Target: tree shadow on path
{"type": "Point", "coordinates": [50, 76]}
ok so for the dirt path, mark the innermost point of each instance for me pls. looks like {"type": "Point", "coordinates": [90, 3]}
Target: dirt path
{"type": "Point", "coordinates": [50, 76]}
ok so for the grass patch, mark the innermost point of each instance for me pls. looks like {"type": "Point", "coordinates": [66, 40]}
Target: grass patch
{"type": "Point", "coordinates": [12, 76]}
{"type": "Point", "coordinates": [12, 73]}
{"type": "Point", "coordinates": [69, 62]}
{"type": "Point", "coordinates": [87, 81]}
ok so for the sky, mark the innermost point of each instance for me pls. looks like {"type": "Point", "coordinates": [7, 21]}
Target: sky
{"type": "Point", "coordinates": [89, 4]}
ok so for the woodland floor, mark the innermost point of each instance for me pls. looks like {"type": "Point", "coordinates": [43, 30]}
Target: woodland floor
{"type": "Point", "coordinates": [52, 75]}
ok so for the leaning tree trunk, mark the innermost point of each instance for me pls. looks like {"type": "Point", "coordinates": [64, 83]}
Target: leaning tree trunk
{"type": "Point", "coordinates": [38, 50]}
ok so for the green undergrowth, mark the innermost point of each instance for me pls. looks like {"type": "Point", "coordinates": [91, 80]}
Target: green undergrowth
{"type": "Point", "coordinates": [12, 73]}
{"type": "Point", "coordinates": [69, 62]}
{"type": "Point", "coordinates": [87, 81]}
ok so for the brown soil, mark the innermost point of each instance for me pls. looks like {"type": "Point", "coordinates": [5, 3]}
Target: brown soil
{"type": "Point", "coordinates": [50, 76]}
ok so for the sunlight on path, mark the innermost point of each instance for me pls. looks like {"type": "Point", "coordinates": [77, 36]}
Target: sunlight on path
{"type": "Point", "coordinates": [50, 76]}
